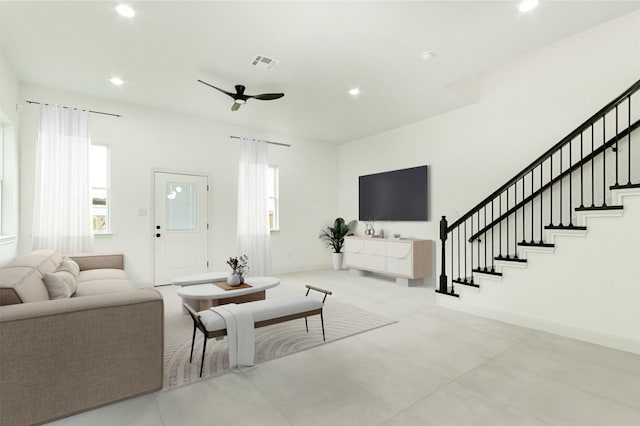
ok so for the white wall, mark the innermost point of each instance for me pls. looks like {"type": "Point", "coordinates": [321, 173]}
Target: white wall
{"type": "Point", "coordinates": [597, 299]}
{"type": "Point", "coordinates": [525, 106]}
{"type": "Point", "coordinates": [145, 138]}
{"type": "Point", "coordinates": [10, 187]}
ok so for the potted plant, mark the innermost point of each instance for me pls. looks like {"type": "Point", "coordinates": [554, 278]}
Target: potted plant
{"type": "Point", "coordinates": [334, 238]}
{"type": "Point", "coordinates": [239, 266]}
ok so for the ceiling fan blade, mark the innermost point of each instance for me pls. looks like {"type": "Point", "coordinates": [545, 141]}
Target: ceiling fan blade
{"type": "Point", "coordinates": [235, 107]}
{"type": "Point", "coordinates": [268, 96]}
{"type": "Point", "coordinates": [233, 95]}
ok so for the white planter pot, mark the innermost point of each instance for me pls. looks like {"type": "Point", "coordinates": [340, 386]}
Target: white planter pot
{"type": "Point", "coordinates": [337, 259]}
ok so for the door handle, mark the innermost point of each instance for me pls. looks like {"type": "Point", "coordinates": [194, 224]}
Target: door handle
{"type": "Point", "coordinates": [157, 235]}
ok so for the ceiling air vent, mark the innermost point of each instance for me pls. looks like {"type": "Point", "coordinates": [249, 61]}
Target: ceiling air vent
{"type": "Point", "coordinates": [264, 62]}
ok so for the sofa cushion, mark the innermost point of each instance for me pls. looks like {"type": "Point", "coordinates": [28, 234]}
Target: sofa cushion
{"type": "Point", "coordinates": [60, 284]}
{"type": "Point", "coordinates": [102, 286]}
{"type": "Point", "coordinates": [69, 265]}
{"type": "Point", "coordinates": [42, 260]}
{"type": "Point", "coordinates": [68, 277]}
{"type": "Point", "coordinates": [22, 283]}
{"type": "Point", "coordinates": [101, 274]}
{"type": "Point", "coordinates": [21, 280]}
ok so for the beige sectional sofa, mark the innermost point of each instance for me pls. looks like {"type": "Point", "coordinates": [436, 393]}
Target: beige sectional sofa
{"type": "Point", "coordinates": [59, 357]}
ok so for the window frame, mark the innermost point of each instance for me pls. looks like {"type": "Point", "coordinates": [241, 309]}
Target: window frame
{"type": "Point", "coordinates": [107, 191]}
{"type": "Point", "coordinates": [275, 198]}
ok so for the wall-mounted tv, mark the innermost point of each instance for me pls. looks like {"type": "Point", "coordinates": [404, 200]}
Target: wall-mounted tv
{"type": "Point", "coordinates": [397, 195]}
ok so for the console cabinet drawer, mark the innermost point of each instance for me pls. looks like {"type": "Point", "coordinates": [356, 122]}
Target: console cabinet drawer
{"type": "Point", "coordinates": [400, 258]}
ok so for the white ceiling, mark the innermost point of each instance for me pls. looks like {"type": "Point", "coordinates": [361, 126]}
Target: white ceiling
{"type": "Point", "coordinates": [324, 48]}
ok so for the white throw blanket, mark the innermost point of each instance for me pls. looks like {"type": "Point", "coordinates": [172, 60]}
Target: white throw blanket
{"type": "Point", "coordinates": [240, 331]}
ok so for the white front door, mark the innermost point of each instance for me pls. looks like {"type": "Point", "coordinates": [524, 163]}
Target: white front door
{"type": "Point", "coordinates": [180, 226]}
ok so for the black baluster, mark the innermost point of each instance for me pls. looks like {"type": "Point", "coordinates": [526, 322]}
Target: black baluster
{"type": "Point", "coordinates": [492, 236]}
{"type": "Point", "coordinates": [581, 172]}
{"type": "Point", "coordinates": [508, 224]}
{"type": "Point", "coordinates": [458, 228]}
{"type": "Point", "coordinates": [560, 174]}
{"type": "Point", "coordinates": [485, 237]}
{"type": "Point", "coordinates": [499, 214]}
{"type": "Point", "coordinates": [471, 249]}
{"type": "Point", "coordinates": [604, 162]}
{"type": "Point", "coordinates": [629, 143]}
{"type": "Point", "coordinates": [593, 183]}
{"type": "Point", "coordinates": [551, 190]}
{"type": "Point", "coordinates": [541, 193]}
{"type": "Point", "coordinates": [532, 204]}
{"type": "Point", "coordinates": [523, 214]}
{"type": "Point", "coordinates": [515, 220]}
{"type": "Point", "coordinates": [616, 150]}
{"type": "Point", "coordinates": [570, 184]}
{"type": "Point", "coordinates": [465, 254]}
{"type": "Point", "coordinates": [452, 259]}
{"type": "Point", "coordinates": [479, 240]}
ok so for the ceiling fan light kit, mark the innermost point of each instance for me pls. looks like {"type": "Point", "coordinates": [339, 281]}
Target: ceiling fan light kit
{"type": "Point", "coordinates": [240, 98]}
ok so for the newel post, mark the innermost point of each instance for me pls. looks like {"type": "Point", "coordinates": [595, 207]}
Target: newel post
{"type": "Point", "coordinates": [443, 241]}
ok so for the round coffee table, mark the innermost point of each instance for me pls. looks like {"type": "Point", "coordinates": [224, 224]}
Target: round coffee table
{"type": "Point", "coordinates": [204, 296]}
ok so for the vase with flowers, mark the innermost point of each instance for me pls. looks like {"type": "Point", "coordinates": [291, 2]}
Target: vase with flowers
{"type": "Point", "coordinates": [239, 266]}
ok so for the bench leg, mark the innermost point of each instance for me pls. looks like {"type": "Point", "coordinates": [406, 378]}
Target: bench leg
{"type": "Point", "coordinates": [193, 341]}
{"type": "Point", "coordinates": [322, 322]}
{"type": "Point", "coordinates": [204, 349]}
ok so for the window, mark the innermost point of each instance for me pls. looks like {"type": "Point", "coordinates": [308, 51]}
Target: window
{"type": "Point", "coordinates": [100, 200]}
{"type": "Point", "coordinates": [272, 198]}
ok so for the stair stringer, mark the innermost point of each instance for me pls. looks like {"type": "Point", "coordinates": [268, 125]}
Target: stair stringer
{"type": "Point", "coordinates": [588, 289]}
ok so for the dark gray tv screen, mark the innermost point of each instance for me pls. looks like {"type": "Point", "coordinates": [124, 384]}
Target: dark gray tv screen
{"type": "Point", "coordinates": [397, 195]}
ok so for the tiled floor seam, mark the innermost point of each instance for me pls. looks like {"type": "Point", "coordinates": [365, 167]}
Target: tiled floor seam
{"type": "Point", "coordinates": [271, 403]}
{"type": "Point", "coordinates": [596, 395]}
{"type": "Point", "coordinates": [544, 378]}
{"type": "Point", "coordinates": [422, 399]}
{"type": "Point", "coordinates": [508, 407]}
{"type": "Point", "coordinates": [637, 408]}
{"type": "Point", "coordinates": [157, 404]}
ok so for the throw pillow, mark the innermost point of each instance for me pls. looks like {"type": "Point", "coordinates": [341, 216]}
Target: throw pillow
{"type": "Point", "coordinates": [59, 284]}
{"type": "Point", "coordinates": [69, 265]}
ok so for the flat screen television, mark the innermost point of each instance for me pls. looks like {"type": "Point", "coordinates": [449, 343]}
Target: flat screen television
{"type": "Point", "coordinates": [399, 195]}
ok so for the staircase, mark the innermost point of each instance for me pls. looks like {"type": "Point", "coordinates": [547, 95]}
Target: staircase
{"type": "Point", "coordinates": [585, 177]}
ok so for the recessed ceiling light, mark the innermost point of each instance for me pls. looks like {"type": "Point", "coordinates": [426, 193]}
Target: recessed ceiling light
{"type": "Point", "coordinates": [125, 10]}
{"type": "Point", "coordinates": [528, 5]}
{"type": "Point", "coordinates": [116, 81]}
{"type": "Point", "coordinates": [428, 54]}
{"type": "Point", "coordinates": [354, 91]}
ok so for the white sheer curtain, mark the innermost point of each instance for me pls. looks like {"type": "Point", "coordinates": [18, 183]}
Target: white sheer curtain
{"type": "Point", "coordinates": [253, 217]}
{"type": "Point", "coordinates": [61, 218]}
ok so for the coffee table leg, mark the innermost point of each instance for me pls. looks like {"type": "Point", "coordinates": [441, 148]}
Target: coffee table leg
{"type": "Point", "coordinates": [205, 304]}
{"type": "Point", "coordinates": [193, 303]}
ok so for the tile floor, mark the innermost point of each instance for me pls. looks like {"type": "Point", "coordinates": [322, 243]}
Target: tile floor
{"type": "Point", "coordinates": [433, 367]}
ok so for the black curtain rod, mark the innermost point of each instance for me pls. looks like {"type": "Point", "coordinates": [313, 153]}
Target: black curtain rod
{"type": "Point", "coordinates": [94, 112]}
{"type": "Point", "coordinates": [259, 140]}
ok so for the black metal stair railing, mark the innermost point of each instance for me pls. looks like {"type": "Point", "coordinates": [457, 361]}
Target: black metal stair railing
{"type": "Point", "coordinates": [573, 175]}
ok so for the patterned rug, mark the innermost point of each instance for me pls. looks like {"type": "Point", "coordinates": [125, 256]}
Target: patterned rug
{"type": "Point", "coordinates": [272, 342]}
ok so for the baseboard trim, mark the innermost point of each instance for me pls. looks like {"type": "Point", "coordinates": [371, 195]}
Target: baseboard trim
{"type": "Point", "coordinates": [549, 326]}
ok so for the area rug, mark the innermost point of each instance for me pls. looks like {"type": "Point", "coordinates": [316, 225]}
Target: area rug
{"type": "Point", "coordinates": [274, 341]}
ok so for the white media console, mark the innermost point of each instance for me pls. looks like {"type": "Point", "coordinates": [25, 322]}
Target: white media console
{"type": "Point", "coordinates": [407, 260]}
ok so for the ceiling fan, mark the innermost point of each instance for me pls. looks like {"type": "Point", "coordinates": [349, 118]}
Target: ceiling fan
{"type": "Point", "coordinates": [239, 98]}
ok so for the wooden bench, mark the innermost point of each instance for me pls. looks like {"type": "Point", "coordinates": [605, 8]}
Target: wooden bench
{"type": "Point", "coordinates": [265, 312]}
